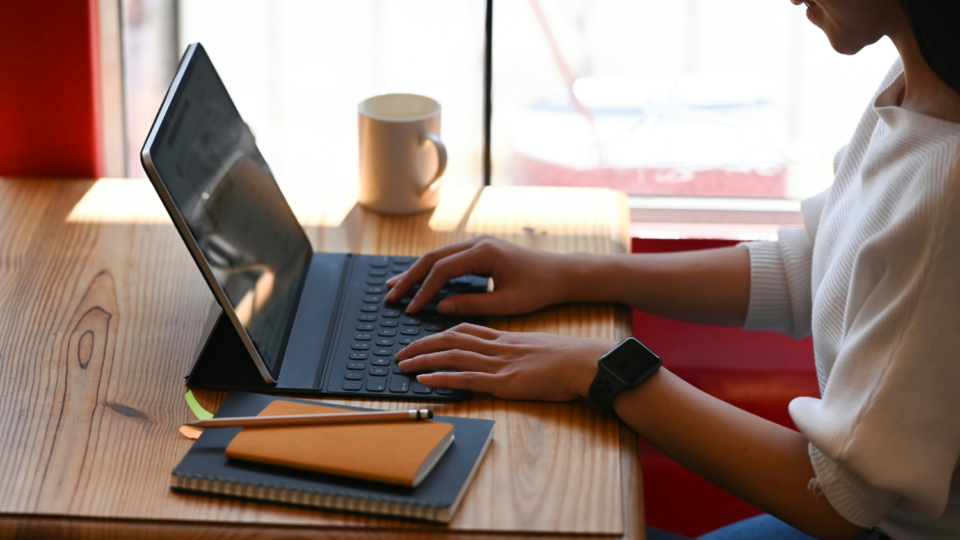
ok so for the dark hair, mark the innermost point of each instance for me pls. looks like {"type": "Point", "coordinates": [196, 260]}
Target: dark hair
{"type": "Point", "coordinates": [936, 26]}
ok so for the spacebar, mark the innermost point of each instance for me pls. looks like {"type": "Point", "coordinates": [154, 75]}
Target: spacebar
{"type": "Point", "coordinates": [399, 384]}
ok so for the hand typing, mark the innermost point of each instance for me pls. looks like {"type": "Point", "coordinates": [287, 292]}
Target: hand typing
{"type": "Point", "coordinates": [524, 280]}
{"type": "Point", "coordinates": [509, 365]}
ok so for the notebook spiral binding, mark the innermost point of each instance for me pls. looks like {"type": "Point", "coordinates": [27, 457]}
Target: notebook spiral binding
{"type": "Point", "coordinates": [300, 496]}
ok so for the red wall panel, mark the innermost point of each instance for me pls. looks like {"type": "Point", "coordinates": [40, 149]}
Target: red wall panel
{"type": "Point", "coordinates": [49, 89]}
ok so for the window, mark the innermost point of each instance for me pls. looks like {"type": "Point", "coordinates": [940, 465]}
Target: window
{"type": "Point", "coordinates": [298, 69]}
{"type": "Point", "coordinates": [695, 108]}
{"type": "Point", "coordinates": [743, 98]}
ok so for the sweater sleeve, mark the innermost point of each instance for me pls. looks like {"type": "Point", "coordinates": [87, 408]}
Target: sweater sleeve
{"type": "Point", "coordinates": [886, 432]}
{"type": "Point", "coordinates": [780, 287]}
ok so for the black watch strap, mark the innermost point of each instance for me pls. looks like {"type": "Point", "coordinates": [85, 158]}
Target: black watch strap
{"type": "Point", "coordinates": [604, 388]}
{"type": "Point", "coordinates": [625, 366]}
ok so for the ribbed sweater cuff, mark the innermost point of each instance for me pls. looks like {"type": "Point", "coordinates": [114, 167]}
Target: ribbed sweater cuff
{"type": "Point", "coordinates": [769, 307]}
{"type": "Point", "coordinates": [857, 501]}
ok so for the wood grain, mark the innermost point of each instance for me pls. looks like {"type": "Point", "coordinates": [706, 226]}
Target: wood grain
{"type": "Point", "coordinates": [100, 311]}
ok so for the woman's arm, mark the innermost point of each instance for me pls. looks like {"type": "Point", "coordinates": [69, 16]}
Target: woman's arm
{"type": "Point", "coordinates": [710, 286]}
{"type": "Point", "coordinates": [756, 460]}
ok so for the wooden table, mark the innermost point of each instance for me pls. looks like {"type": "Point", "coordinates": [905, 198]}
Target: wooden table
{"type": "Point", "coordinates": [100, 314]}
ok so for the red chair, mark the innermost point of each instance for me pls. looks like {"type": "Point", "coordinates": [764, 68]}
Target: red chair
{"type": "Point", "coordinates": [756, 371]}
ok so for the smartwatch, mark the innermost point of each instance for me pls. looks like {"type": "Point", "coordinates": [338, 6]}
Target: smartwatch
{"type": "Point", "coordinates": [625, 366]}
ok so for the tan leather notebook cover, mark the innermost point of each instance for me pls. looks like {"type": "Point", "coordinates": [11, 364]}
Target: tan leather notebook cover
{"type": "Point", "coordinates": [391, 452]}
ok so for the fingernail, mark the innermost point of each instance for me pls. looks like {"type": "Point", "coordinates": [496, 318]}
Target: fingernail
{"type": "Point", "coordinates": [403, 364]}
{"type": "Point", "coordinates": [423, 378]}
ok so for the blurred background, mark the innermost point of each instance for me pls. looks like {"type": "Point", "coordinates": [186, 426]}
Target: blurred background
{"type": "Point", "coordinates": [684, 104]}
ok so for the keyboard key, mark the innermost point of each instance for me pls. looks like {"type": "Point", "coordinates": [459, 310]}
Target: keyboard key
{"type": "Point", "coordinates": [407, 340]}
{"type": "Point", "coordinates": [383, 351]}
{"type": "Point", "coordinates": [384, 342]}
{"type": "Point", "coordinates": [388, 323]}
{"type": "Point", "coordinates": [387, 332]}
{"type": "Point", "coordinates": [433, 327]}
{"type": "Point", "coordinates": [376, 384]}
{"type": "Point", "coordinates": [405, 302]}
{"type": "Point", "coordinates": [396, 368]}
{"type": "Point", "coordinates": [379, 262]}
{"type": "Point", "coordinates": [399, 384]}
{"type": "Point", "coordinates": [358, 356]}
{"type": "Point", "coordinates": [365, 327]}
{"type": "Point", "coordinates": [363, 336]}
{"type": "Point", "coordinates": [360, 346]}
{"type": "Point", "coordinates": [371, 299]}
{"type": "Point", "coordinates": [351, 385]}
{"type": "Point", "coordinates": [375, 290]}
{"type": "Point", "coordinates": [353, 376]}
{"type": "Point", "coordinates": [376, 281]}
{"type": "Point", "coordinates": [446, 391]}
{"type": "Point", "coordinates": [380, 361]}
{"type": "Point", "coordinates": [403, 260]}
{"type": "Point", "coordinates": [370, 308]}
{"type": "Point", "coordinates": [356, 365]}
{"type": "Point", "coordinates": [377, 272]}
{"type": "Point", "coordinates": [411, 331]}
{"type": "Point", "coordinates": [379, 371]}
{"type": "Point", "coordinates": [421, 389]}
{"type": "Point", "coordinates": [391, 313]}
{"type": "Point", "coordinates": [367, 318]}
{"type": "Point", "coordinates": [411, 321]}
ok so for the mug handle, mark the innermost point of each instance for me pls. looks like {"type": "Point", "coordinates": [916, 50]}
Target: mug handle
{"type": "Point", "coordinates": [441, 160]}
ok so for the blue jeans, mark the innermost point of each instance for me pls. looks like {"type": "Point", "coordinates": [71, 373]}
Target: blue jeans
{"type": "Point", "coordinates": [762, 527]}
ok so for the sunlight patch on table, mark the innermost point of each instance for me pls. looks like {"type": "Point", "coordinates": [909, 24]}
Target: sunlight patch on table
{"type": "Point", "coordinates": [119, 200]}
{"type": "Point", "coordinates": [455, 202]}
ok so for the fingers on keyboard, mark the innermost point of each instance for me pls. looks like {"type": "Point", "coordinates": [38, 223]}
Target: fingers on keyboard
{"type": "Point", "coordinates": [382, 328]}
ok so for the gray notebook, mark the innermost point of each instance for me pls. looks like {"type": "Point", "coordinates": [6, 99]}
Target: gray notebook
{"type": "Point", "coordinates": [206, 469]}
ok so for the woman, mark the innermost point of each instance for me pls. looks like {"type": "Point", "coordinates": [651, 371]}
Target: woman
{"type": "Point", "coordinates": [872, 275]}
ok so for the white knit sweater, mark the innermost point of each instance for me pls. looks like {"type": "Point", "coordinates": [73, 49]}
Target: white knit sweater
{"type": "Point", "coordinates": [874, 274]}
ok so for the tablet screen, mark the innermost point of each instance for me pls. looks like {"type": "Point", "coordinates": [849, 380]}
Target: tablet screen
{"type": "Point", "coordinates": [206, 157]}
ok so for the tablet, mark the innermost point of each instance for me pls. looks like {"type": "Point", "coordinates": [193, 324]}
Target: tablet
{"type": "Point", "coordinates": [204, 163]}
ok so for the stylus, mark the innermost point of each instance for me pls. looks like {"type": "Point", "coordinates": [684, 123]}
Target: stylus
{"type": "Point", "coordinates": [314, 419]}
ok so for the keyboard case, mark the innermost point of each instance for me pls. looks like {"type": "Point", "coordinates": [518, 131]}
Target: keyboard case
{"type": "Point", "coordinates": [222, 362]}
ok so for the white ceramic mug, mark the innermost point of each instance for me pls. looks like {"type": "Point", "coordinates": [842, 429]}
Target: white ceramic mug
{"type": "Point", "coordinates": [401, 155]}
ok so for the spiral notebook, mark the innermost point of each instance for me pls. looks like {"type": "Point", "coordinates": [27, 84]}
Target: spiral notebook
{"type": "Point", "coordinates": [206, 469]}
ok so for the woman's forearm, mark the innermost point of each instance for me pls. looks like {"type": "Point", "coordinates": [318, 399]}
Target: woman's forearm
{"type": "Point", "coordinates": [761, 462]}
{"type": "Point", "coordinates": [709, 286]}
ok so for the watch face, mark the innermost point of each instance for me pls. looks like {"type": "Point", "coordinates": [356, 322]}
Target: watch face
{"type": "Point", "coordinates": [630, 360]}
